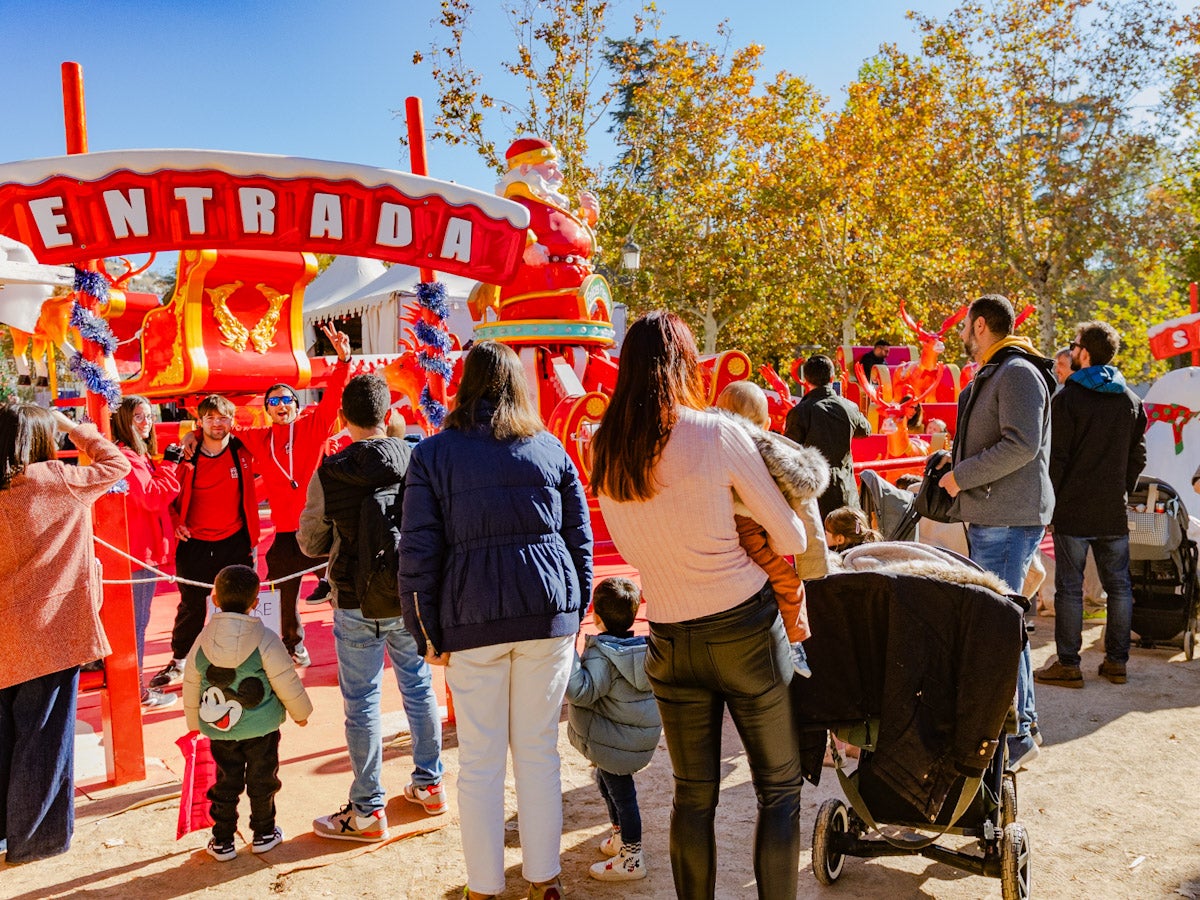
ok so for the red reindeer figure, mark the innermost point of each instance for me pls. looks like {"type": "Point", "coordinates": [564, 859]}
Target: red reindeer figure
{"type": "Point", "coordinates": [893, 418]}
{"type": "Point", "coordinates": [779, 399]}
{"type": "Point", "coordinates": [927, 373]}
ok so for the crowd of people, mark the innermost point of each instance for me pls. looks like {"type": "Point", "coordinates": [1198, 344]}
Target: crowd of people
{"type": "Point", "coordinates": [472, 550]}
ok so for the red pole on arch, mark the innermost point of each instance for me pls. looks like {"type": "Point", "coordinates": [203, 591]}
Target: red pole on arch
{"type": "Point", "coordinates": [1194, 298]}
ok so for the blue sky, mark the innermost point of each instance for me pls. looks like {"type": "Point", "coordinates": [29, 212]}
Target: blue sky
{"type": "Point", "coordinates": [321, 79]}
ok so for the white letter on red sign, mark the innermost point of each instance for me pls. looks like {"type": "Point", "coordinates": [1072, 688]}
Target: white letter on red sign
{"type": "Point", "coordinates": [457, 244]}
{"type": "Point", "coordinates": [258, 205]}
{"type": "Point", "coordinates": [193, 198]}
{"type": "Point", "coordinates": [49, 222]}
{"type": "Point", "coordinates": [395, 225]}
{"type": "Point", "coordinates": [125, 213]}
{"type": "Point", "coordinates": [326, 216]}
{"type": "Point", "coordinates": [1179, 339]}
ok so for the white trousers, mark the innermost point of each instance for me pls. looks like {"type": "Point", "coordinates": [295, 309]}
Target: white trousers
{"type": "Point", "coordinates": [509, 696]}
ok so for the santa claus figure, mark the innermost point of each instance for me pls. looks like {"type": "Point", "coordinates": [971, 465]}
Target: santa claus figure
{"type": "Point", "coordinates": [555, 283]}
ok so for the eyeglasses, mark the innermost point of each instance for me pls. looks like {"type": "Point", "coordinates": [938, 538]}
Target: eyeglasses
{"type": "Point", "coordinates": [1074, 345]}
{"type": "Point", "coordinates": [284, 398]}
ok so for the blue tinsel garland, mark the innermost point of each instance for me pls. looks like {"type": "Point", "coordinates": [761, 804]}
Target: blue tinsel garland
{"type": "Point", "coordinates": [436, 365]}
{"type": "Point", "coordinates": [96, 379]}
{"type": "Point", "coordinates": [93, 284]}
{"type": "Point", "coordinates": [119, 487]}
{"type": "Point", "coordinates": [93, 328]}
{"type": "Point", "coordinates": [432, 296]}
{"type": "Point", "coordinates": [432, 336]}
{"type": "Point", "coordinates": [435, 412]}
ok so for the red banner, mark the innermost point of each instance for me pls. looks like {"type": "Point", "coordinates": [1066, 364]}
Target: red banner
{"type": "Point", "coordinates": [119, 203]}
{"type": "Point", "coordinates": [1175, 336]}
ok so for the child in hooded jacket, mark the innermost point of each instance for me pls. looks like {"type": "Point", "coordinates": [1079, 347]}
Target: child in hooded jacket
{"type": "Point", "coordinates": [238, 681]}
{"type": "Point", "coordinates": [612, 719]}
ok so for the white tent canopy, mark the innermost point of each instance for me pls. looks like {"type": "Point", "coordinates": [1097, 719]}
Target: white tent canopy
{"type": "Point", "coordinates": [345, 276]}
{"type": "Point", "coordinates": [382, 301]}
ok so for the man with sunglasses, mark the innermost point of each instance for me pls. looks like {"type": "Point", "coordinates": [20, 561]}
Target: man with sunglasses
{"type": "Point", "coordinates": [286, 453]}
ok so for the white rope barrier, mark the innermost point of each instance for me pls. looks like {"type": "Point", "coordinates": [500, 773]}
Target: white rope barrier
{"type": "Point", "coordinates": [175, 579]}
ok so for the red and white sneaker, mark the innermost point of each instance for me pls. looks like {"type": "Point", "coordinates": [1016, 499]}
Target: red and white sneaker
{"type": "Point", "coordinates": [429, 796]}
{"type": "Point", "coordinates": [611, 845]}
{"type": "Point", "coordinates": [348, 825]}
{"type": "Point", "coordinates": [627, 865]}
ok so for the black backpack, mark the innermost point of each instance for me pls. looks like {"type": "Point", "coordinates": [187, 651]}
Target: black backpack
{"type": "Point", "coordinates": [378, 553]}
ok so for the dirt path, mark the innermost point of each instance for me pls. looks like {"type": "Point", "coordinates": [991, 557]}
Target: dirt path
{"type": "Point", "coordinates": [1111, 807]}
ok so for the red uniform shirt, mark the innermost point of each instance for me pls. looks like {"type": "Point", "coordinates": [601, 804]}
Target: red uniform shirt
{"type": "Point", "coordinates": [215, 511]}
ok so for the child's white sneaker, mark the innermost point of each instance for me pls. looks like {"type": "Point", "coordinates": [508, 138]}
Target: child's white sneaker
{"type": "Point", "coordinates": [611, 845]}
{"type": "Point", "coordinates": [627, 865]}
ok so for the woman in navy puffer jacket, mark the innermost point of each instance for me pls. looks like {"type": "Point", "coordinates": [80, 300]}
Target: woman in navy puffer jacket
{"type": "Point", "coordinates": [495, 572]}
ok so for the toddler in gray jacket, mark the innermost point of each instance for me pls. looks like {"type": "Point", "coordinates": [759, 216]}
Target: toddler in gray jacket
{"type": "Point", "coordinates": [612, 719]}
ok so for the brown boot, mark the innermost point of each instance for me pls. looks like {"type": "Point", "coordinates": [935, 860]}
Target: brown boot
{"type": "Point", "coordinates": [546, 890]}
{"type": "Point", "coordinates": [1113, 671]}
{"type": "Point", "coordinates": [1059, 674]}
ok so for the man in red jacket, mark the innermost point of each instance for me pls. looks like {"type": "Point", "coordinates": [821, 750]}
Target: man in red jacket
{"type": "Point", "coordinates": [216, 522]}
{"type": "Point", "coordinates": [286, 453]}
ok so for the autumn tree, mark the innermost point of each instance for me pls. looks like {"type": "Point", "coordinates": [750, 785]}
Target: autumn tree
{"type": "Point", "coordinates": [701, 140]}
{"type": "Point", "coordinates": [558, 87]}
{"type": "Point", "coordinates": [1039, 104]}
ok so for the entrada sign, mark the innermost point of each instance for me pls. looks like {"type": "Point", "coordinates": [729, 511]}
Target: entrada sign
{"type": "Point", "coordinates": [117, 203]}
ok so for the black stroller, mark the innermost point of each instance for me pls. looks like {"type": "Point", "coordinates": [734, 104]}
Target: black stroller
{"type": "Point", "coordinates": [919, 673]}
{"type": "Point", "coordinates": [1162, 566]}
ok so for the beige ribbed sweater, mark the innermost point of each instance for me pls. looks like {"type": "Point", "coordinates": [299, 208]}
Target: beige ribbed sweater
{"type": "Point", "coordinates": [683, 540]}
{"type": "Point", "coordinates": [49, 584]}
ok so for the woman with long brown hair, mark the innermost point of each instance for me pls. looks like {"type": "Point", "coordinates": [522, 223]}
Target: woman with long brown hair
{"type": "Point", "coordinates": [49, 619]}
{"type": "Point", "coordinates": [665, 472]}
{"type": "Point", "coordinates": [495, 572]}
{"type": "Point", "coordinates": [152, 487]}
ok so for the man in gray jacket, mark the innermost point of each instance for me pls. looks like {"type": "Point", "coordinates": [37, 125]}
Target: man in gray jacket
{"type": "Point", "coordinates": [1001, 468]}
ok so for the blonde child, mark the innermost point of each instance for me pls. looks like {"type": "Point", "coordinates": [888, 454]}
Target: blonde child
{"type": "Point", "coordinates": [748, 401]}
{"type": "Point", "coordinates": [237, 683]}
{"type": "Point", "coordinates": [846, 527]}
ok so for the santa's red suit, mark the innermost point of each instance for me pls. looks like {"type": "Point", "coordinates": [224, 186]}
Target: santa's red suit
{"type": "Point", "coordinates": [549, 290]}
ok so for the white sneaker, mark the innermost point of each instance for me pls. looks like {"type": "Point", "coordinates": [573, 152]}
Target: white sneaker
{"type": "Point", "coordinates": [625, 866]}
{"type": "Point", "coordinates": [611, 845]}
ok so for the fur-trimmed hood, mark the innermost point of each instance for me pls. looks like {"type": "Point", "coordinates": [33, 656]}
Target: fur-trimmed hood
{"type": "Point", "coordinates": [908, 558]}
{"type": "Point", "coordinates": [801, 472]}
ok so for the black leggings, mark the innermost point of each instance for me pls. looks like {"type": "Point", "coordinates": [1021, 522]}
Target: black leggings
{"type": "Point", "coordinates": [201, 561]}
{"type": "Point", "coordinates": [737, 659]}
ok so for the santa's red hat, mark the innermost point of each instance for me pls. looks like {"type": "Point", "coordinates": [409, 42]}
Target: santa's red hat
{"type": "Point", "coordinates": [529, 152]}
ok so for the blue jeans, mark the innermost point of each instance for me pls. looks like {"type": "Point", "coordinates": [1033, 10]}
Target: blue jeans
{"type": "Point", "coordinates": [620, 796]}
{"type": "Point", "coordinates": [143, 594]}
{"type": "Point", "coordinates": [1112, 562]}
{"type": "Point", "coordinates": [1006, 551]}
{"type": "Point", "coordinates": [37, 765]}
{"type": "Point", "coordinates": [363, 646]}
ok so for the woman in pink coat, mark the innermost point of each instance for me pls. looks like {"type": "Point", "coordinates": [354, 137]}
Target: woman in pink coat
{"type": "Point", "coordinates": [152, 487]}
{"type": "Point", "coordinates": [49, 619]}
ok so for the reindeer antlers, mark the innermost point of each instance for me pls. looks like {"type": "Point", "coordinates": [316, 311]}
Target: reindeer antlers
{"type": "Point", "coordinates": [947, 323]}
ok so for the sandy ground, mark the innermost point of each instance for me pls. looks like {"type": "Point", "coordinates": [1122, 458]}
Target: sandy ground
{"type": "Point", "coordinates": [1111, 807]}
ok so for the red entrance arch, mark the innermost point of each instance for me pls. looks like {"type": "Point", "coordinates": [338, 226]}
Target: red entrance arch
{"type": "Point", "coordinates": [122, 202]}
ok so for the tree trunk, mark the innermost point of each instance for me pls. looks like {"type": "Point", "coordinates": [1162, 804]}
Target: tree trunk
{"type": "Point", "coordinates": [710, 326]}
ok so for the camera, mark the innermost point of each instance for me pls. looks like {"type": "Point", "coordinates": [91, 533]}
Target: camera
{"type": "Point", "coordinates": [173, 454]}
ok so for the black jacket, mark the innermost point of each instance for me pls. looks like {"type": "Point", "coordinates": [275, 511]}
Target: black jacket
{"type": "Point", "coordinates": [347, 479]}
{"type": "Point", "coordinates": [934, 661]}
{"type": "Point", "coordinates": [1097, 451]}
{"type": "Point", "coordinates": [823, 420]}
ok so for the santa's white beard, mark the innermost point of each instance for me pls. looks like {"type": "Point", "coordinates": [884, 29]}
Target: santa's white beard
{"type": "Point", "coordinates": [537, 185]}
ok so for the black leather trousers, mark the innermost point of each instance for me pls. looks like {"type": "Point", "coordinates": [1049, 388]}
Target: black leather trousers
{"type": "Point", "coordinates": [737, 659]}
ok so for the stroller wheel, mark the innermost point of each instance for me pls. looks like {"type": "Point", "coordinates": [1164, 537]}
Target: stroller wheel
{"type": "Point", "coordinates": [1014, 863]}
{"type": "Point", "coordinates": [1008, 800]}
{"type": "Point", "coordinates": [832, 820]}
